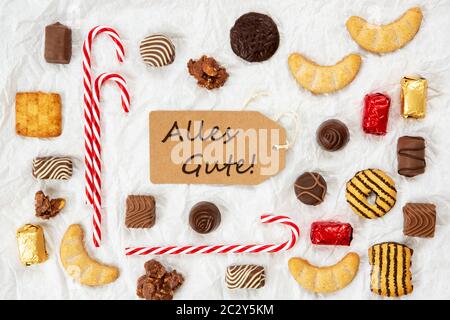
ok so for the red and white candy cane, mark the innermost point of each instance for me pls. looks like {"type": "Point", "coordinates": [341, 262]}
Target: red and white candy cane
{"type": "Point", "coordinates": [96, 146]}
{"type": "Point", "coordinates": [221, 249]}
{"type": "Point", "coordinates": [87, 97]}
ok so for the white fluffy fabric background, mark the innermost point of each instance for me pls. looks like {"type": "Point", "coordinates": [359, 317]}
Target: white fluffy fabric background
{"type": "Point", "coordinates": [314, 28]}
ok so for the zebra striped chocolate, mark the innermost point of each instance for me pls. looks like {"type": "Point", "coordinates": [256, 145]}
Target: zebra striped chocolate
{"type": "Point", "coordinates": [157, 50]}
{"type": "Point", "coordinates": [390, 275]}
{"type": "Point", "coordinates": [58, 168]}
{"type": "Point", "coordinates": [246, 276]}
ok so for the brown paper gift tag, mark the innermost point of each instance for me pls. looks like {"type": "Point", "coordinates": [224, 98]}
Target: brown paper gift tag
{"type": "Point", "coordinates": [214, 147]}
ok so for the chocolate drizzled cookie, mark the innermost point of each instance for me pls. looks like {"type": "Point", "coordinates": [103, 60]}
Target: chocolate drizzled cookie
{"type": "Point", "coordinates": [254, 37]}
{"type": "Point", "coordinates": [411, 156]}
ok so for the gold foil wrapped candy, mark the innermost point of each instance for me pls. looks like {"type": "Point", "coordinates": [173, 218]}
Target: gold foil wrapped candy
{"type": "Point", "coordinates": [414, 96]}
{"type": "Point", "coordinates": [31, 243]}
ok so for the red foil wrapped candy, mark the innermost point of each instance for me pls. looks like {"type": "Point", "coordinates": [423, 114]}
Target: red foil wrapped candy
{"type": "Point", "coordinates": [331, 233]}
{"type": "Point", "coordinates": [376, 113]}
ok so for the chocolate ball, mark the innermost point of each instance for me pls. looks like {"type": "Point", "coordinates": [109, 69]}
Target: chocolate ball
{"type": "Point", "coordinates": [332, 135]}
{"type": "Point", "coordinates": [204, 217]}
{"type": "Point", "coordinates": [310, 188]}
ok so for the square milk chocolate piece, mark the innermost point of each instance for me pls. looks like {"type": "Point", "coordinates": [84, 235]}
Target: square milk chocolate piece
{"type": "Point", "coordinates": [141, 211]}
{"type": "Point", "coordinates": [419, 220]}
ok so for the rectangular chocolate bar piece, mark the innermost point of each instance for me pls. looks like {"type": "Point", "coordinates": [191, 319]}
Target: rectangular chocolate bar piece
{"type": "Point", "coordinates": [58, 43]}
{"type": "Point", "coordinates": [52, 168]}
{"type": "Point", "coordinates": [413, 97]}
{"type": "Point", "coordinates": [411, 156]}
{"type": "Point", "coordinates": [141, 211]}
{"type": "Point", "coordinates": [31, 243]}
{"type": "Point", "coordinates": [246, 276]}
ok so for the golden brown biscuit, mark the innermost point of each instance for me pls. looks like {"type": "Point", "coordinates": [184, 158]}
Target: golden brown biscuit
{"type": "Point", "coordinates": [325, 279]}
{"type": "Point", "coordinates": [385, 38]}
{"type": "Point", "coordinates": [365, 183]}
{"type": "Point", "coordinates": [390, 275]}
{"type": "Point", "coordinates": [79, 265]}
{"type": "Point", "coordinates": [38, 114]}
{"type": "Point", "coordinates": [324, 79]}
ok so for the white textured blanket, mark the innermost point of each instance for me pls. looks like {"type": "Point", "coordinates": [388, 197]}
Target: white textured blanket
{"type": "Point", "coordinates": [315, 28]}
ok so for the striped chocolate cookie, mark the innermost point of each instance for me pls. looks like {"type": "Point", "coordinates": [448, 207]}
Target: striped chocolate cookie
{"type": "Point", "coordinates": [365, 183]}
{"type": "Point", "coordinates": [157, 50]}
{"type": "Point", "coordinates": [246, 276]}
{"type": "Point", "coordinates": [58, 168]}
{"type": "Point", "coordinates": [390, 275]}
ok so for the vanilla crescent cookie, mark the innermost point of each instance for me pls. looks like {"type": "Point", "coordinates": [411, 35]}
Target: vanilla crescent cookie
{"type": "Point", "coordinates": [362, 185]}
{"type": "Point", "coordinates": [385, 38]}
{"type": "Point", "coordinates": [79, 265]}
{"type": "Point", "coordinates": [324, 79]}
{"type": "Point", "coordinates": [325, 279]}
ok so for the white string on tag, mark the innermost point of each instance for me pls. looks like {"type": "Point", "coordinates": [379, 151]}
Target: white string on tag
{"type": "Point", "coordinates": [291, 114]}
{"type": "Point", "coordinates": [294, 116]}
{"type": "Point", "coordinates": [254, 96]}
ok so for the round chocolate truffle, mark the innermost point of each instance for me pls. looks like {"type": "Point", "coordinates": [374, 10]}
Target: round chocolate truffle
{"type": "Point", "coordinates": [254, 37]}
{"type": "Point", "coordinates": [310, 188]}
{"type": "Point", "coordinates": [157, 50]}
{"type": "Point", "coordinates": [204, 217]}
{"type": "Point", "coordinates": [332, 135]}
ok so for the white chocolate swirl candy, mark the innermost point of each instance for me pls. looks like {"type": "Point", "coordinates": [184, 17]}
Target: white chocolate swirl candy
{"type": "Point", "coordinates": [245, 276]}
{"type": "Point", "coordinates": [58, 168]}
{"type": "Point", "coordinates": [157, 50]}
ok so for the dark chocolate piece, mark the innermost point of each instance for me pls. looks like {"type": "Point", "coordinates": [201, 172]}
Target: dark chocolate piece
{"type": "Point", "coordinates": [204, 217]}
{"type": "Point", "coordinates": [141, 212]}
{"type": "Point", "coordinates": [254, 37]}
{"type": "Point", "coordinates": [247, 276]}
{"type": "Point", "coordinates": [58, 43]}
{"type": "Point", "coordinates": [310, 188]}
{"type": "Point", "coordinates": [411, 156]}
{"type": "Point", "coordinates": [419, 220]}
{"type": "Point", "coordinates": [332, 135]}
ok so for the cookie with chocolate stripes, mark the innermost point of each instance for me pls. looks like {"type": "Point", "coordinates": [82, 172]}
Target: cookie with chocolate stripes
{"type": "Point", "coordinates": [365, 183]}
{"type": "Point", "coordinates": [390, 275]}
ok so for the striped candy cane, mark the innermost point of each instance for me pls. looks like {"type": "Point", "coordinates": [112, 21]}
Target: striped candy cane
{"type": "Point", "coordinates": [221, 249]}
{"type": "Point", "coordinates": [96, 147]}
{"type": "Point", "coordinates": [87, 97]}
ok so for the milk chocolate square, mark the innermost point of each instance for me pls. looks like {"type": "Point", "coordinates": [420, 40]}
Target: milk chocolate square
{"type": "Point", "coordinates": [141, 211]}
{"type": "Point", "coordinates": [58, 43]}
{"type": "Point", "coordinates": [419, 220]}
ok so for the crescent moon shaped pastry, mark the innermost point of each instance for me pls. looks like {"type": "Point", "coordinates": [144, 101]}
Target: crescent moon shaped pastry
{"type": "Point", "coordinates": [79, 265]}
{"type": "Point", "coordinates": [385, 38]}
{"type": "Point", "coordinates": [324, 79]}
{"type": "Point", "coordinates": [325, 279]}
